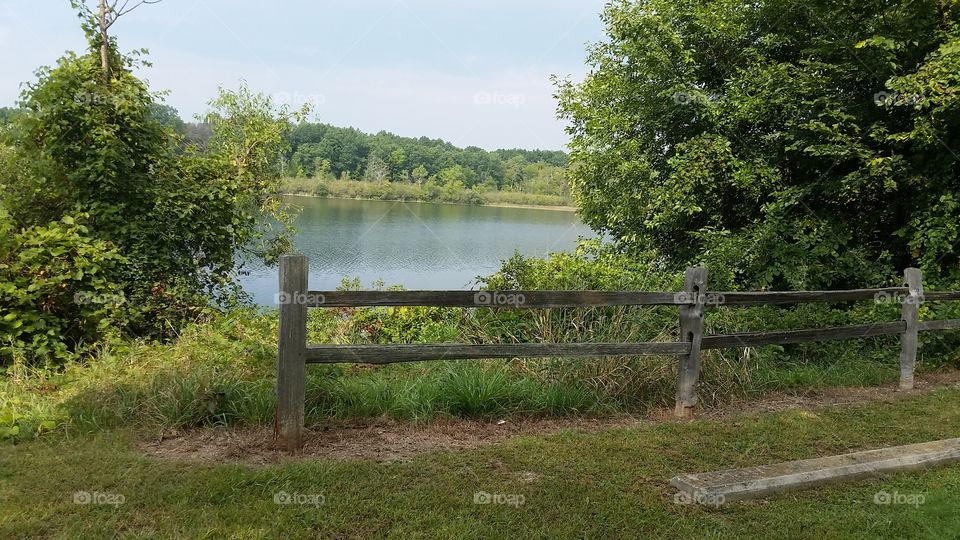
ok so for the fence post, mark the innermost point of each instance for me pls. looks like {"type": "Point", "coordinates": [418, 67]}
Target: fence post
{"type": "Point", "coordinates": [691, 331]}
{"type": "Point", "coordinates": [291, 360]}
{"type": "Point", "coordinates": [911, 315]}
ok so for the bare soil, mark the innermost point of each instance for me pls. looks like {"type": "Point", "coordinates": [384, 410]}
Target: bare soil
{"type": "Point", "coordinates": [390, 440]}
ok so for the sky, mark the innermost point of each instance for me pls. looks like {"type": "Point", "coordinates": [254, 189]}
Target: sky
{"type": "Point", "coordinates": [470, 72]}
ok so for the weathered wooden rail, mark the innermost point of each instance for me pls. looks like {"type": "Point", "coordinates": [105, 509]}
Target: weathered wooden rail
{"type": "Point", "coordinates": [295, 298]}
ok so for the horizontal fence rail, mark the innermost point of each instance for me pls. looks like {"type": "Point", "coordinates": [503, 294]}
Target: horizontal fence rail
{"type": "Point", "coordinates": [786, 337]}
{"type": "Point", "coordinates": [941, 296]}
{"type": "Point", "coordinates": [393, 354]}
{"type": "Point", "coordinates": [765, 298]}
{"type": "Point", "coordinates": [491, 299]}
{"type": "Point", "coordinates": [949, 324]}
{"type": "Point", "coordinates": [568, 299]}
{"type": "Point", "coordinates": [295, 297]}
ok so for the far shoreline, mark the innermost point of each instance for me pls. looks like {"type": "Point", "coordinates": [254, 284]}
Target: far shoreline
{"type": "Point", "coordinates": [552, 208]}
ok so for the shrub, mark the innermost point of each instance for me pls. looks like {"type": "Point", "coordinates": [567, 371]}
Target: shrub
{"type": "Point", "coordinates": [171, 221]}
{"type": "Point", "coordinates": [58, 288]}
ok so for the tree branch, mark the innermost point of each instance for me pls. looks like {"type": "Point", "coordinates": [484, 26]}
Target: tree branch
{"type": "Point", "coordinates": [124, 10]}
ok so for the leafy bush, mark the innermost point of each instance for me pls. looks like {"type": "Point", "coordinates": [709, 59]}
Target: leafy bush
{"type": "Point", "coordinates": [170, 221]}
{"type": "Point", "coordinates": [58, 287]}
{"type": "Point", "coordinates": [783, 150]}
{"type": "Point", "coordinates": [726, 373]}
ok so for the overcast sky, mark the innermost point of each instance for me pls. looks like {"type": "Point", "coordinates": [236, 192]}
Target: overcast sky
{"type": "Point", "coordinates": [471, 72]}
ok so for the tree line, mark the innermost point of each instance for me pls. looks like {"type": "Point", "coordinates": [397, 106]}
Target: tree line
{"type": "Point", "coordinates": [326, 151]}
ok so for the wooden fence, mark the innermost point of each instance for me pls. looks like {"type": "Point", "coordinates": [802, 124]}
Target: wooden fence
{"type": "Point", "coordinates": [295, 297]}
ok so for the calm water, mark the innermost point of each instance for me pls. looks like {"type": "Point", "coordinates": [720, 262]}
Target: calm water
{"type": "Point", "coordinates": [417, 245]}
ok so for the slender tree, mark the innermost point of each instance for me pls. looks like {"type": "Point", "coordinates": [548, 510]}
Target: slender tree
{"type": "Point", "coordinates": [107, 14]}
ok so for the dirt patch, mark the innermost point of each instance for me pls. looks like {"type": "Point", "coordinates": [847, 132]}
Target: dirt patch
{"type": "Point", "coordinates": [376, 439]}
{"type": "Point", "coordinates": [387, 440]}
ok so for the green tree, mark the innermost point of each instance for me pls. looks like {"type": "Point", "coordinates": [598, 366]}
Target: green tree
{"type": "Point", "coordinates": [398, 163]}
{"type": "Point", "coordinates": [793, 144]}
{"type": "Point", "coordinates": [322, 169]}
{"type": "Point", "coordinates": [350, 150]}
{"type": "Point", "coordinates": [6, 115]}
{"type": "Point", "coordinates": [513, 175]}
{"type": "Point", "coordinates": [419, 174]}
{"type": "Point", "coordinates": [169, 117]}
{"type": "Point", "coordinates": [89, 146]}
{"type": "Point", "coordinates": [545, 179]}
{"type": "Point", "coordinates": [306, 158]}
{"type": "Point", "coordinates": [456, 174]}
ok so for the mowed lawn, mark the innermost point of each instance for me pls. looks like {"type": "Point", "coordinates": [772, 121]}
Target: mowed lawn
{"type": "Point", "coordinates": [567, 485]}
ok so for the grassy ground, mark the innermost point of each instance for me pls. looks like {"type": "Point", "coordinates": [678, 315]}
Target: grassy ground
{"type": "Point", "coordinates": [609, 484]}
{"type": "Point", "coordinates": [222, 373]}
{"type": "Point", "coordinates": [71, 432]}
{"type": "Point", "coordinates": [398, 191]}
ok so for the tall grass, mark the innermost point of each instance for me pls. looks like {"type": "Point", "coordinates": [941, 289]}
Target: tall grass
{"type": "Point", "coordinates": [223, 372]}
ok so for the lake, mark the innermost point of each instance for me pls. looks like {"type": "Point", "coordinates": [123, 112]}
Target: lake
{"type": "Point", "coordinates": [417, 245]}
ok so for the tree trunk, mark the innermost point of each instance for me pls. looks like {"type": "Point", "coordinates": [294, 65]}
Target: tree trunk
{"type": "Point", "coordinates": [104, 41]}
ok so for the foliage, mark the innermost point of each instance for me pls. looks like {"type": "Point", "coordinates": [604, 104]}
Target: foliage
{"type": "Point", "coordinates": [787, 145]}
{"type": "Point", "coordinates": [430, 191]}
{"type": "Point", "coordinates": [6, 115]}
{"type": "Point", "coordinates": [220, 372]}
{"type": "Point", "coordinates": [386, 156]}
{"type": "Point", "coordinates": [58, 288]}
{"type": "Point", "coordinates": [169, 117]}
{"type": "Point", "coordinates": [177, 218]}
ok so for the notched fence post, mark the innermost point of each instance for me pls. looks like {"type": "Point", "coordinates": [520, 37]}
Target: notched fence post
{"type": "Point", "coordinates": [291, 360]}
{"type": "Point", "coordinates": [691, 331]}
{"type": "Point", "coordinates": [911, 315]}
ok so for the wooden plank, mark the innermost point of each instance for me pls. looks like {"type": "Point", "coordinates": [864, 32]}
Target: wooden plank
{"type": "Point", "coordinates": [948, 324]}
{"type": "Point", "coordinates": [942, 296]}
{"type": "Point", "coordinates": [784, 337]}
{"type": "Point", "coordinates": [291, 361]}
{"type": "Point", "coordinates": [391, 354]}
{"type": "Point", "coordinates": [560, 299]}
{"type": "Point", "coordinates": [719, 487]}
{"type": "Point", "coordinates": [911, 316]}
{"type": "Point", "coordinates": [495, 299]}
{"type": "Point", "coordinates": [691, 332]}
{"type": "Point", "coordinates": [796, 297]}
